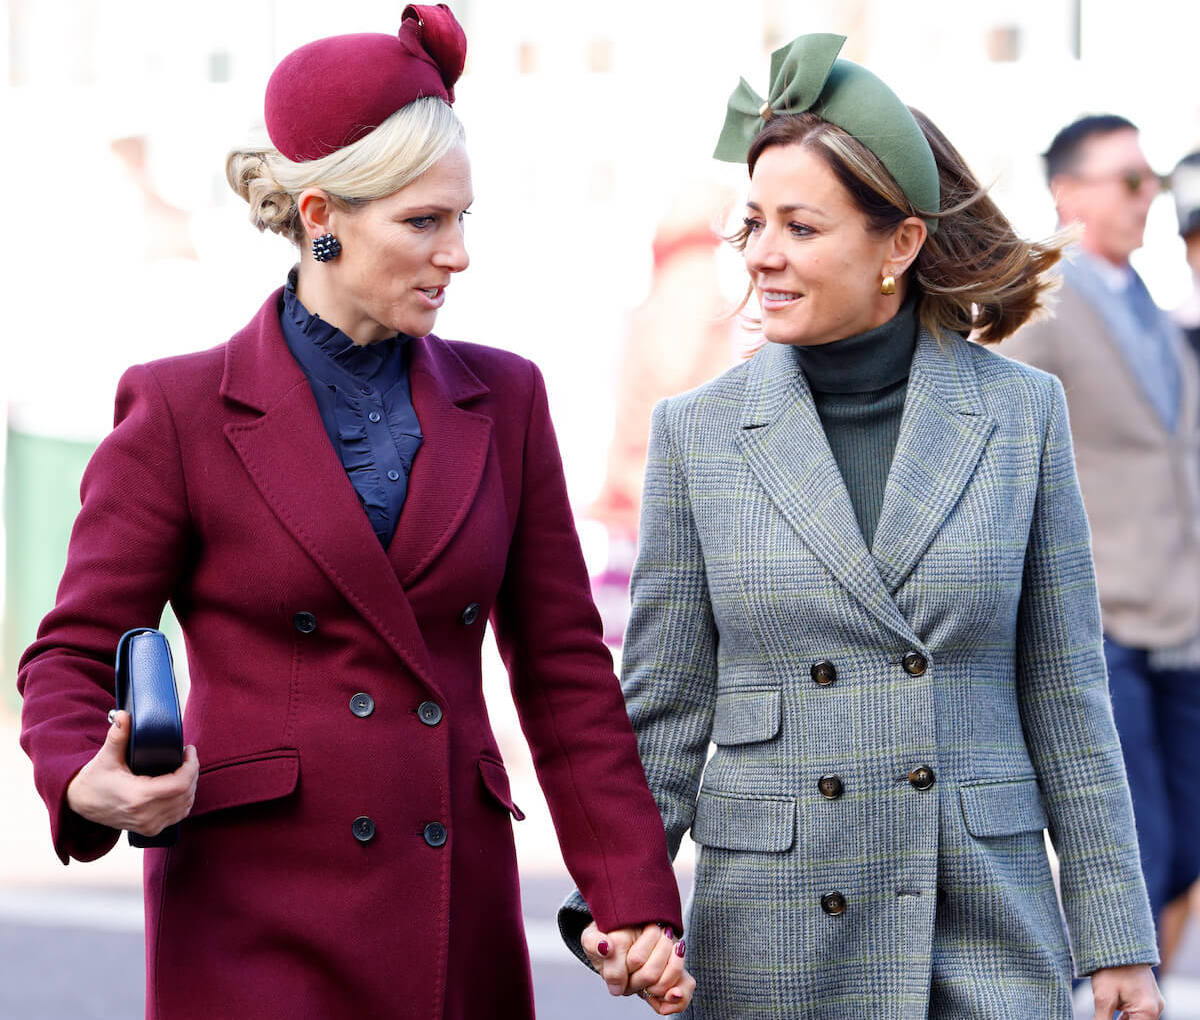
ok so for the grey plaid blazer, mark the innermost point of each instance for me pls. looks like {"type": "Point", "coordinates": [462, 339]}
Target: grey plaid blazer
{"type": "Point", "coordinates": [834, 879]}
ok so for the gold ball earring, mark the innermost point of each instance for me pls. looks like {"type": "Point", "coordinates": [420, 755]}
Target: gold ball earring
{"type": "Point", "coordinates": [889, 285]}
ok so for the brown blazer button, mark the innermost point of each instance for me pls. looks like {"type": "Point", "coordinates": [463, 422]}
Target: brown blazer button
{"type": "Point", "coordinates": [833, 903]}
{"type": "Point", "coordinates": [429, 712]}
{"type": "Point", "coordinates": [362, 705]}
{"type": "Point", "coordinates": [435, 834]}
{"type": "Point", "coordinates": [823, 673]}
{"type": "Point", "coordinates": [922, 777]}
{"type": "Point", "coordinates": [470, 614]}
{"type": "Point", "coordinates": [305, 623]}
{"type": "Point", "coordinates": [363, 829]}
{"type": "Point", "coordinates": [914, 663]}
{"type": "Point", "coordinates": [830, 787]}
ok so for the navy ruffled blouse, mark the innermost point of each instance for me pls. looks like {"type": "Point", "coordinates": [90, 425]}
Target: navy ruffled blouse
{"type": "Point", "coordinates": [363, 396]}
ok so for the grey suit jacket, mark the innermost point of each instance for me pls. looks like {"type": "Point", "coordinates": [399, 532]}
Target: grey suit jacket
{"type": "Point", "coordinates": [1140, 482]}
{"type": "Point", "coordinates": [965, 647]}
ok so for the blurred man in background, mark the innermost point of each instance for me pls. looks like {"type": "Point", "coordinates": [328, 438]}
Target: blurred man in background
{"type": "Point", "coordinates": [1133, 390]}
{"type": "Point", "coordinates": [1185, 186]}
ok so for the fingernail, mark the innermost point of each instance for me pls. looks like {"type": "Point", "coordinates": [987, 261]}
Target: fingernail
{"type": "Point", "coordinates": [674, 995]}
{"type": "Point", "coordinates": [602, 948]}
{"type": "Point", "coordinates": [670, 931]}
{"type": "Point", "coordinates": [679, 948]}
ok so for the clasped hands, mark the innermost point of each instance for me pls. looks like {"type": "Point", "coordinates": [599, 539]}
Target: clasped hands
{"type": "Point", "coordinates": [644, 961]}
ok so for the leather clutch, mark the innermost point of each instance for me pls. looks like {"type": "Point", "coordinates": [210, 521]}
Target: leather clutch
{"type": "Point", "coordinates": [146, 690]}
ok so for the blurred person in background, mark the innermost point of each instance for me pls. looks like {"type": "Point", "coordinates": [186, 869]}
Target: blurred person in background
{"type": "Point", "coordinates": [864, 573]}
{"type": "Point", "coordinates": [1133, 390]}
{"type": "Point", "coordinates": [335, 502]}
{"type": "Point", "coordinates": [1185, 188]}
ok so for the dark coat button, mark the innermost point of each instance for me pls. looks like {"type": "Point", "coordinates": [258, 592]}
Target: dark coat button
{"type": "Point", "coordinates": [914, 663]}
{"type": "Point", "coordinates": [830, 787]}
{"type": "Point", "coordinates": [922, 777]}
{"type": "Point", "coordinates": [833, 903]}
{"type": "Point", "coordinates": [435, 834]}
{"type": "Point", "coordinates": [363, 829]}
{"type": "Point", "coordinates": [823, 673]}
{"type": "Point", "coordinates": [362, 705]}
{"type": "Point", "coordinates": [305, 623]}
{"type": "Point", "coordinates": [430, 713]}
{"type": "Point", "coordinates": [470, 614]}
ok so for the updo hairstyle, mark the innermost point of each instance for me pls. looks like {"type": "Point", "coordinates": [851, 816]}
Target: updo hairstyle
{"type": "Point", "coordinates": [391, 156]}
{"type": "Point", "coordinates": [973, 274]}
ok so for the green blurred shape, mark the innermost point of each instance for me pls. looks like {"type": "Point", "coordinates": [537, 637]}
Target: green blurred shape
{"type": "Point", "coordinates": [41, 499]}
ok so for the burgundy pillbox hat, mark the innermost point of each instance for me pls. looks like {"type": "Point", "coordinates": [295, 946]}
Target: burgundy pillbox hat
{"type": "Point", "coordinates": [334, 91]}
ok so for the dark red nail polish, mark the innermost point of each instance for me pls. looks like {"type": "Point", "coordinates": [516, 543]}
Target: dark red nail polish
{"type": "Point", "coordinates": [679, 948]}
{"type": "Point", "coordinates": [670, 931]}
{"type": "Point", "coordinates": [602, 949]}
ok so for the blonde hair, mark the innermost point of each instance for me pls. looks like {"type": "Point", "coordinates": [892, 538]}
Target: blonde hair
{"type": "Point", "coordinates": [973, 273]}
{"type": "Point", "coordinates": [395, 154]}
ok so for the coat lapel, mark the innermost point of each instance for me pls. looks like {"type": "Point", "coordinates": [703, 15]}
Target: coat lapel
{"type": "Point", "coordinates": [784, 444]}
{"type": "Point", "coordinates": [447, 469]}
{"type": "Point", "coordinates": [289, 457]}
{"type": "Point", "coordinates": [943, 432]}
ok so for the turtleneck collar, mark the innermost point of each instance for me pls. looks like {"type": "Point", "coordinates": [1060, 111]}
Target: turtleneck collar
{"type": "Point", "coordinates": [360, 360]}
{"type": "Point", "coordinates": [866, 362]}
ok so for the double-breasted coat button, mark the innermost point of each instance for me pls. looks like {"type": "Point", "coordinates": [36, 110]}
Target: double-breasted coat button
{"type": "Point", "coordinates": [435, 834]}
{"type": "Point", "coordinates": [363, 829]}
{"type": "Point", "coordinates": [914, 663]}
{"type": "Point", "coordinates": [833, 903]}
{"type": "Point", "coordinates": [470, 614]}
{"type": "Point", "coordinates": [922, 777]}
{"type": "Point", "coordinates": [429, 712]}
{"type": "Point", "coordinates": [823, 673]}
{"type": "Point", "coordinates": [304, 622]}
{"type": "Point", "coordinates": [830, 787]}
{"type": "Point", "coordinates": [362, 705]}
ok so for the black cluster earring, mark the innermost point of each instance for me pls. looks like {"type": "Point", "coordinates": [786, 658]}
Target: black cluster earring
{"type": "Point", "coordinates": [326, 247]}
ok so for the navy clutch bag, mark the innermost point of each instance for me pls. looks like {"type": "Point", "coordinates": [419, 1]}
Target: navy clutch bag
{"type": "Point", "coordinates": [146, 690]}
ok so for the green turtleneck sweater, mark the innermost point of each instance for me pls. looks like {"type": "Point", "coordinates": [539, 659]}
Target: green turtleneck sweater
{"type": "Point", "coordinates": [858, 385]}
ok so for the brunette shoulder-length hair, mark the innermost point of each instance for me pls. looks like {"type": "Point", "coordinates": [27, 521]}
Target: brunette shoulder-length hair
{"type": "Point", "coordinates": [973, 274]}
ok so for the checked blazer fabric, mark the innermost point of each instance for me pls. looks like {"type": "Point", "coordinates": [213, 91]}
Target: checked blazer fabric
{"type": "Point", "coordinates": [751, 570]}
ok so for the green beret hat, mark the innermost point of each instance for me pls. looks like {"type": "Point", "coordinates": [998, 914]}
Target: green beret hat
{"type": "Point", "coordinates": [807, 76]}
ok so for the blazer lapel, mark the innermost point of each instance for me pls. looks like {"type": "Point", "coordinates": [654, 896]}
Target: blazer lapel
{"type": "Point", "coordinates": [784, 444]}
{"type": "Point", "coordinates": [449, 465]}
{"type": "Point", "coordinates": [942, 434]}
{"type": "Point", "coordinates": [289, 457]}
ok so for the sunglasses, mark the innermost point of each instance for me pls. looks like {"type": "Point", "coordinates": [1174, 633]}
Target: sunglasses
{"type": "Point", "coordinates": [1133, 180]}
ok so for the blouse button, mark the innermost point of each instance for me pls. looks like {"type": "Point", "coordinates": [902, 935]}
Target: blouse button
{"type": "Point", "coordinates": [373, 417]}
{"type": "Point", "coordinates": [394, 475]}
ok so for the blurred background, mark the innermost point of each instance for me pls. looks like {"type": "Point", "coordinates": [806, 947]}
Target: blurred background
{"type": "Point", "coordinates": [595, 251]}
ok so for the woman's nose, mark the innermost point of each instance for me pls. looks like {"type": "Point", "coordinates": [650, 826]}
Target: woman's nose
{"type": "Point", "coordinates": [453, 254]}
{"type": "Point", "coordinates": [762, 254]}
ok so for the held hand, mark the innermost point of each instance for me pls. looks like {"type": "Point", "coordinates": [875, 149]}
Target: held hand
{"type": "Point", "coordinates": [646, 962]}
{"type": "Point", "coordinates": [1130, 990]}
{"type": "Point", "coordinates": [105, 791]}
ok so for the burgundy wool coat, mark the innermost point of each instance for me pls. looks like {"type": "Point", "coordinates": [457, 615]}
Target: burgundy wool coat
{"type": "Point", "coordinates": [219, 491]}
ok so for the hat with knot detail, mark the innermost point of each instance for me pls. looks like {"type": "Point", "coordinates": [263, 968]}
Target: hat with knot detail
{"type": "Point", "coordinates": [807, 76]}
{"type": "Point", "coordinates": [334, 91]}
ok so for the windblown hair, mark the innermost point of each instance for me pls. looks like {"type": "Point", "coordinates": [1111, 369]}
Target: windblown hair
{"type": "Point", "coordinates": [396, 153]}
{"type": "Point", "coordinates": [974, 274]}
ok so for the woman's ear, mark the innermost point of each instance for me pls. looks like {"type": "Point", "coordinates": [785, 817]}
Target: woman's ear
{"type": "Point", "coordinates": [315, 210]}
{"type": "Point", "coordinates": [907, 240]}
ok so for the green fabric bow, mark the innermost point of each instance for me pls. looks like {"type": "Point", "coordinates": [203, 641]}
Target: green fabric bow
{"type": "Point", "coordinates": [806, 75]}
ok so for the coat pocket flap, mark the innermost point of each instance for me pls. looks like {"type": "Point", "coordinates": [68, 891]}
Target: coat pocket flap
{"type": "Point", "coordinates": [248, 779]}
{"type": "Point", "coordinates": [744, 822]}
{"type": "Point", "coordinates": [744, 717]}
{"type": "Point", "coordinates": [495, 781]}
{"type": "Point", "coordinates": [1002, 809]}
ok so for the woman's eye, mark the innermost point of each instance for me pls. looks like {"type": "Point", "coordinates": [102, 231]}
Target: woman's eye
{"type": "Point", "coordinates": [420, 222]}
{"type": "Point", "coordinates": [751, 224]}
{"type": "Point", "coordinates": [799, 229]}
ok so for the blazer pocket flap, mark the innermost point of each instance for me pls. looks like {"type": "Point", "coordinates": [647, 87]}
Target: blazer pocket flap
{"type": "Point", "coordinates": [1002, 809]}
{"type": "Point", "coordinates": [495, 781]}
{"type": "Point", "coordinates": [728, 822]}
{"type": "Point", "coordinates": [744, 717]}
{"type": "Point", "coordinates": [248, 779]}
